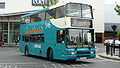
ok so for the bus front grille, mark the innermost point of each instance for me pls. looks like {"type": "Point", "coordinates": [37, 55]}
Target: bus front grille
{"type": "Point", "coordinates": [83, 52]}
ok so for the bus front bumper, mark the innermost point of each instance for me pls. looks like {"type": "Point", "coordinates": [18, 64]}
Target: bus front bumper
{"type": "Point", "coordinates": [85, 56]}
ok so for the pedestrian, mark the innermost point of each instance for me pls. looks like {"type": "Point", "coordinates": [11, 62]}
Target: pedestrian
{"type": "Point", "coordinates": [1, 42]}
{"type": "Point", "coordinates": [16, 41]}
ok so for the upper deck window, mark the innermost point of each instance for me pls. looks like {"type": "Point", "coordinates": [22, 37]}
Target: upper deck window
{"type": "Point", "coordinates": [27, 19]}
{"type": "Point", "coordinates": [73, 10]}
{"type": "Point", "coordinates": [2, 5]}
{"type": "Point", "coordinates": [34, 18]}
{"type": "Point", "coordinates": [41, 16]}
{"type": "Point", "coordinates": [86, 11]}
{"type": "Point", "coordinates": [78, 10]}
{"type": "Point", "coordinates": [70, 10]}
{"type": "Point", "coordinates": [60, 12]}
{"type": "Point", "coordinates": [50, 14]}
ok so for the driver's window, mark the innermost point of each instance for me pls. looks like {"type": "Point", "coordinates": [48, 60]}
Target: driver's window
{"type": "Point", "coordinates": [60, 36]}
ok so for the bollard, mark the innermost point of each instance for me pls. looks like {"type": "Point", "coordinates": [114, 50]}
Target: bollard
{"type": "Point", "coordinates": [107, 49]}
{"type": "Point", "coordinates": [119, 50]}
{"type": "Point", "coordinates": [111, 49]}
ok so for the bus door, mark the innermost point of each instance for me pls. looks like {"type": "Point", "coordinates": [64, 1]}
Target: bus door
{"type": "Point", "coordinates": [60, 40]}
{"type": "Point", "coordinates": [59, 47]}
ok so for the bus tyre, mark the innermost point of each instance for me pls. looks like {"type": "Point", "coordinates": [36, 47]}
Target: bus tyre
{"type": "Point", "coordinates": [26, 52]}
{"type": "Point", "coordinates": [73, 60]}
{"type": "Point", "coordinates": [50, 54]}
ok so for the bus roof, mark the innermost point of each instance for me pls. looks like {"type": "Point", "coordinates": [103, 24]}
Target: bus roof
{"type": "Point", "coordinates": [35, 12]}
{"type": "Point", "coordinates": [45, 9]}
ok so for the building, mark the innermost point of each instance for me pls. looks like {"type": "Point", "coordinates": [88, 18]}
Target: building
{"type": "Point", "coordinates": [111, 18]}
{"type": "Point", "coordinates": [11, 10]}
{"type": "Point", "coordinates": [109, 33]}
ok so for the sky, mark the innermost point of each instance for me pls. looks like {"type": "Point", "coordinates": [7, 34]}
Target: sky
{"type": "Point", "coordinates": [112, 1]}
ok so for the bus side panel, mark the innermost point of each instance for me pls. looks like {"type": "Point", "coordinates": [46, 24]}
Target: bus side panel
{"type": "Point", "coordinates": [21, 44]}
{"type": "Point", "coordinates": [49, 41]}
{"type": "Point", "coordinates": [21, 47]}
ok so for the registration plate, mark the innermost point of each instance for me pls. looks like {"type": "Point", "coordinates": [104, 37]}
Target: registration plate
{"type": "Point", "coordinates": [83, 57]}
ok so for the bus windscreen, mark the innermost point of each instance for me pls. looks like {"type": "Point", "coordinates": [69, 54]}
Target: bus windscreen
{"type": "Point", "coordinates": [80, 38]}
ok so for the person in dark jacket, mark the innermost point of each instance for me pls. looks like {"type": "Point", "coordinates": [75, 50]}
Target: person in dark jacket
{"type": "Point", "coordinates": [16, 41]}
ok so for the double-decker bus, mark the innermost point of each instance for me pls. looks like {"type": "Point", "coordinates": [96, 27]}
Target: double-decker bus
{"type": "Point", "coordinates": [65, 32]}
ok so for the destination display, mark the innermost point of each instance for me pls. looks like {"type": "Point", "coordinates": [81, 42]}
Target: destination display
{"type": "Point", "coordinates": [81, 23]}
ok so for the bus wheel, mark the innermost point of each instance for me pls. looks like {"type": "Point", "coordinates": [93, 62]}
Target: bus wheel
{"type": "Point", "coordinates": [50, 54]}
{"type": "Point", "coordinates": [72, 60]}
{"type": "Point", "coordinates": [26, 52]}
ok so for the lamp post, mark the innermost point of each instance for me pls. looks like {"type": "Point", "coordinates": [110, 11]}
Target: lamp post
{"type": "Point", "coordinates": [114, 27]}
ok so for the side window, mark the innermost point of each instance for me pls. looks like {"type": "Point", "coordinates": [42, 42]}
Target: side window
{"type": "Point", "coordinates": [34, 18]}
{"type": "Point", "coordinates": [50, 14]}
{"type": "Point", "coordinates": [60, 12]}
{"type": "Point", "coordinates": [27, 20]}
{"type": "Point", "coordinates": [41, 16]}
{"type": "Point", "coordinates": [22, 20]}
{"type": "Point", "coordinates": [27, 38]}
{"type": "Point", "coordinates": [23, 38]}
{"type": "Point", "coordinates": [30, 38]}
{"type": "Point", "coordinates": [33, 38]}
{"type": "Point", "coordinates": [20, 37]}
{"type": "Point", "coordinates": [60, 36]}
{"type": "Point", "coordinates": [40, 38]}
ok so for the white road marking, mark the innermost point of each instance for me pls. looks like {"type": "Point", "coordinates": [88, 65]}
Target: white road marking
{"type": "Point", "coordinates": [22, 63]}
{"type": "Point", "coordinates": [67, 65]}
{"type": "Point", "coordinates": [54, 65]}
{"type": "Point", "coordinates": [44, 66]}
{"type": "Point", "coordinates": [84, 65]}
{"type": "Point", "coordinates": [73, 65]}
{"type": "Point", "coordinates": [78, 65]}
{"type": "Point", "coordinates": [60, 65]}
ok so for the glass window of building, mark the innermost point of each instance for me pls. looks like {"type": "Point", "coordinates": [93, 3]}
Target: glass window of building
{"type": "Point", "coordinates": [4, 31]}
{"type": "Point", "coordinates": [14, 31]}
{"type": "Point", "coordinates": [2, 5]}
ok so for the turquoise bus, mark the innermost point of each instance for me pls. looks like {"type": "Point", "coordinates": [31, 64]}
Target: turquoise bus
{"type": "Point", "coordinates": [64, 33]}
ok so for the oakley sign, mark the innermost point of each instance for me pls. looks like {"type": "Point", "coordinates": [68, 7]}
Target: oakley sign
{"type": "Point", "coordinates": [39, 2]}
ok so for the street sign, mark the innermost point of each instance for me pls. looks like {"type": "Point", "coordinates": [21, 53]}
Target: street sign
{"type": "Point", "coordinates": [114, 27]}
{"type": "Point", "coordinates": [39, 2]}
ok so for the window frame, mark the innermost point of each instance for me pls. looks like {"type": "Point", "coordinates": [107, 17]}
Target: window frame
{"type": "Point", "coordinates": [44, 13]}
{"type": "Point", "coordinates": [41, 36]}
{"type": "Point", "coordinates": [58, 37]}
{"type": "Point", "coordinates": [59, 8]}
{"type": "Point", "coordinates": [50, 17]}
{"type": "Point", "coordinates": [3, 5]}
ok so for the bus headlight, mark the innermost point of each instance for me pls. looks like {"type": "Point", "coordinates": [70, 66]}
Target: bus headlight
{"type": "Point", "coordinates": [93, 52]}
{"type": "Point", "coordinates": [70, 53]}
